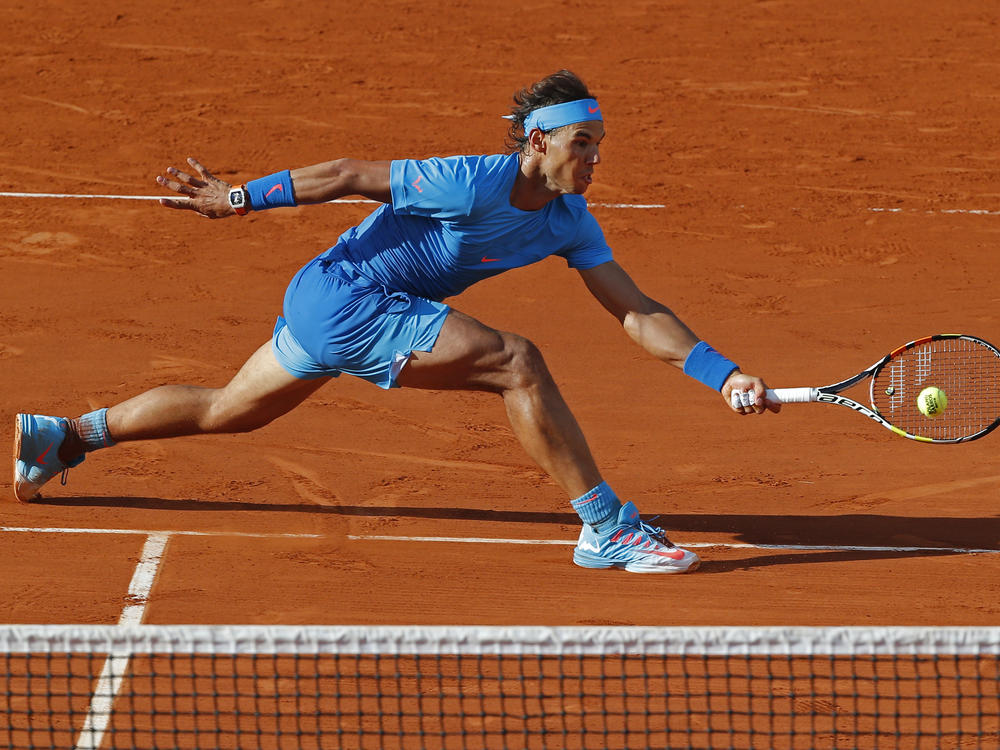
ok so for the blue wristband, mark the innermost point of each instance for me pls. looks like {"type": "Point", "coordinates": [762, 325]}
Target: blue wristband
{"type": "Point", "coordinates": [708, 366]}
{"type": "Point", "coordinates": [272, 191]}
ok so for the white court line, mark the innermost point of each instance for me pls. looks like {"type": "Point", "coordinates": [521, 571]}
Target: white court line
{"type": "Point", "coordinates": [116, 665]}
{"type": "Point", "coordinates": [627, 205]}
{"type": "Point", "coordinates": [147, 532]}
{"type": "Point", "coordinates": [970, 211]}
{"type": "Point", "coordinates": [142, 579]}
{"type": "Point", "coordinates": [495, 540]}
{"type": "Point", "coordinates": [104, 196]}
{"type": "Point", "coordinates": [730, 545]}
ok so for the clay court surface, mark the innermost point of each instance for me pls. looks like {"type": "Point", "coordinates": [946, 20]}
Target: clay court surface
{"type": "Point", "coordinates": [829, 177]}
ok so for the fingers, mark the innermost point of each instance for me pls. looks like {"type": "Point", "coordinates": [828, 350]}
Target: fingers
{"type": "Point", "coordinates": [739, 399]}
{"type": "Point", "coordinates": [177, 187]}
{"type": "Point", "coordinates": [177, 203]}
{"type": "Point", "coordinates": [186, 178]}
{"type": "Point", "coordinates": [204, 173]}
{"type": "Point", "coordinates": [202, 193]}
{"type": "Point", "coordinates": [744, 401]}
{"type": "Point", "coordinates": [750, 401]}
{"type": "Point", "coordinates": [746, 394]}
{"type": "Point", "coordinates": [184, 183]}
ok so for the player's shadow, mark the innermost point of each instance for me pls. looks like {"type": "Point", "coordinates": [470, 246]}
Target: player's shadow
{"type": "Point", "coordinates": [812, 557]}
{"type": "Point", "coordinates": [893, 536]}
{"type": "Point", "coordinates": [374, 511]}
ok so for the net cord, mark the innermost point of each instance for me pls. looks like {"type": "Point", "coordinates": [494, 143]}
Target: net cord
{"type": "Point", "coordinates": [707, 641]}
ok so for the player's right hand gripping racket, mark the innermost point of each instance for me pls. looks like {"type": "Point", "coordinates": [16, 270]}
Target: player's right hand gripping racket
{"type": "Point", "coordinates": [966, 368]}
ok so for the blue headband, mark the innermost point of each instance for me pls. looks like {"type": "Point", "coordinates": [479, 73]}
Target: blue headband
{"type": "Point", "coordinates": [557, 115]}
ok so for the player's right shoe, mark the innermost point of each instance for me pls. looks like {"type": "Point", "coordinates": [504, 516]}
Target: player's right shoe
{"type": "Point", "coordinates": [37, 440]}
{"type": "Point", "coordinates": [633, 545]}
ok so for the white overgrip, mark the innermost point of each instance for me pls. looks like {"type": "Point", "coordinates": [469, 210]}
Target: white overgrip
{"type": "Point", "coordinates": [791, 395]}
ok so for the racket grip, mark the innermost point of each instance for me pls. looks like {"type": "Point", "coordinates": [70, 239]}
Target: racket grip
{"type": "Point", "coordinates": [791, 395]}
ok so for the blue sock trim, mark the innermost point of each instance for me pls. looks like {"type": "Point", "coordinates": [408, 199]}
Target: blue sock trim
{"type": "Point", "coordinates": [272, 191]}
{"type": "Point", "coordinates": [597, 506]}
{"type": "Point", "coordinates": [706, 365]}
{"type": "Point", "coordinates": [94, 430]}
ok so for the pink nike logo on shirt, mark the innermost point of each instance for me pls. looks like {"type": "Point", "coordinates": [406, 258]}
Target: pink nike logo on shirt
{"type": "Point", "coordinates": [489, 260]}
{"type": "Point", "coordinates": [416, 184]}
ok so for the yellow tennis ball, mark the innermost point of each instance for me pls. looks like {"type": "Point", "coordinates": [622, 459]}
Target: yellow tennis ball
{"type": "Point", "coordinates": [932, 402]}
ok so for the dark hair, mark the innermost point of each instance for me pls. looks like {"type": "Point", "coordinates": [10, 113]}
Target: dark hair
{"type": "Point", "coordinates": [558, 88]}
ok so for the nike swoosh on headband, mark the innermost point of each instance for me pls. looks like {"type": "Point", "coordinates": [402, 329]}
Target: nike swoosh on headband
{"type": "Point", "coordinates": [558, 115]}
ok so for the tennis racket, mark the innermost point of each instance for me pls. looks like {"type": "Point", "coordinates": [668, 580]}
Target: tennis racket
{"type": "Point", "coordinates": [966, 368]}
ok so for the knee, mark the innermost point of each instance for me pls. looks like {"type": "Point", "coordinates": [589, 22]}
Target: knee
{"type": "Point", "coordinates": [524, 365]}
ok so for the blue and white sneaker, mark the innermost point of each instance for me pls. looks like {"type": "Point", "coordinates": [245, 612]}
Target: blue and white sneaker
{"type": "Point", "coordinates": [37, 440]}
{"type": "Point", "coordinates": [633, 545]}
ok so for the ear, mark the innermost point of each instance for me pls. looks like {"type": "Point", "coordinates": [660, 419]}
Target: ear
{"type": "Point", "coordinates": [537, 141]}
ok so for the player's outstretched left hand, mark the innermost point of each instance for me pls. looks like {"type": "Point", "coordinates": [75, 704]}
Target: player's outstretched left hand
{"type": "Point", "coordinates": [745, 395]}
{"type": "Point", "coordinates": [204, 193]}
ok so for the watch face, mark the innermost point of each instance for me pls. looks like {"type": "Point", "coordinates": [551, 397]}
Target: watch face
{"type": "Point", "coordinates": [236, 198]}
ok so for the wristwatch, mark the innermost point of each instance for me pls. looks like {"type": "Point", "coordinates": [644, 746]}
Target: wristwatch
{"type": "Point", "coordinates": [239, 201]}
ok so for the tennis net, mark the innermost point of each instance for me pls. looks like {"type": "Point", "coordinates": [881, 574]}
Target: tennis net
{"type": "Point", "coordinates": [494, 687]}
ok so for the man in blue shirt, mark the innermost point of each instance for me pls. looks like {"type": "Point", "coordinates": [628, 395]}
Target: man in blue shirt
{"type": "Point", "coordinates": [372, 306]}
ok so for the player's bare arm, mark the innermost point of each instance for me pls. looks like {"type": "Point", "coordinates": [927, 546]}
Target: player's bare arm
{"type": "Point", "coordinates": [659, 331]}
{"type": "Point", "coordinates": [209, 196]}
{"type": "Point", "coordinates": [335, 179]}
{"type": "Point", "coordinates": [650, 324]}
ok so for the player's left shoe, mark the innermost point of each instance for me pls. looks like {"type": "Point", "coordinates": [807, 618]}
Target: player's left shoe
{"type": "Point", "coordinates": [37, 440]}
{"type": "Point", "coordinates": [633, 545]}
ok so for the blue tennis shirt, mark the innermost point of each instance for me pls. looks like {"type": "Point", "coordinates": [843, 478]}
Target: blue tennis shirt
{"type": "Point", "coordinates": [451, 224]}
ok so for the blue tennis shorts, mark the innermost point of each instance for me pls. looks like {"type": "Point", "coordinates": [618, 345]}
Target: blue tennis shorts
{"type": "Point", "coordinates": [336, 320]}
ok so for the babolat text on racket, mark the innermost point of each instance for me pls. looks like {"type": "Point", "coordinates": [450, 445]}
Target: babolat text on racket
{"type": "Point", "coordinates": [965, 368]}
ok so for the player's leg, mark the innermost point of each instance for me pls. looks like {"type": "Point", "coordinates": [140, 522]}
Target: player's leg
{"type": "Point", "coordinates": [471, 356]}
{"type": "Point", "coordinates": [261, 391]}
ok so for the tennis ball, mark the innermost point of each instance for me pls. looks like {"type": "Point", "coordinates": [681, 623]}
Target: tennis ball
{"type": "Point", "coordinates": [932, 402]}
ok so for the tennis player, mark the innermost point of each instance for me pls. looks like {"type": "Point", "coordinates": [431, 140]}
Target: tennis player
{"type": "Point", "coordinates": [371, 306]}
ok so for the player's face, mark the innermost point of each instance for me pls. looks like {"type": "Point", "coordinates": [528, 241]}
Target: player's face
{"type": "Point", "coordinates": [571, 154]}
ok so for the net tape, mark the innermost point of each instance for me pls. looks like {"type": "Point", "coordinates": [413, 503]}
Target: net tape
{"type": "Point", "coordinates": [554, 641]}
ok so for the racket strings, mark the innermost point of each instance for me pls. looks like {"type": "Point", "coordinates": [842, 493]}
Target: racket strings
{"type": "Point", "coordinates": [965, 369]}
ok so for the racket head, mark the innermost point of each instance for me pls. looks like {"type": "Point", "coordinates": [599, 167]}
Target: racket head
{"type": "Point", "coordinates": [966, 368]}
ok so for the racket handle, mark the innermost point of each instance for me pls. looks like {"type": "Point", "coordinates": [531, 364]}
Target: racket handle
{"type": "Point", "coordinates": [791, 395]}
